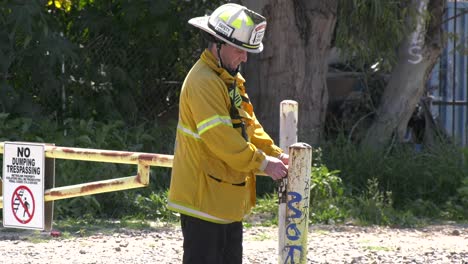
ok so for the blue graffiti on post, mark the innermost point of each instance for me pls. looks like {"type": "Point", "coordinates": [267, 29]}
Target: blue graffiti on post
{"type": "Point", "coordinates": [296, 233]}
{"type": "Point", "coordinates": [290, 256]}
{"type": "Point", "coordinates": [292, 232]}
{"type": "Point", "coordinates": [296, 198]}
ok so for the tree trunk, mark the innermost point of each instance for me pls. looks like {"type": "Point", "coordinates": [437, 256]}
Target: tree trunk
{"type": "Point", "coordinates": [293, 64]}
{"type": "Point", "coordinates": [417, 55]}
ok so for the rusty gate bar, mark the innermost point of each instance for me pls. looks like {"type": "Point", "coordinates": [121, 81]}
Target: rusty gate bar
{"type": "Point", "coordinates": [111, 156]}
{"type": "Point", "coordinates": [103, 186]}
{"type": "Point", "coordinates": [143, 160]}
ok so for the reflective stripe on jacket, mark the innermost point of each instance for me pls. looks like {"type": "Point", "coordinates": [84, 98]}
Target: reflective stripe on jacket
{"type": "Point", "coordinates": [213, 174]}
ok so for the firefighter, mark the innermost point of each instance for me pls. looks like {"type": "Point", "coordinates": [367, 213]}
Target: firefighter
{"type": "Point", "coordinates": [220, 145]}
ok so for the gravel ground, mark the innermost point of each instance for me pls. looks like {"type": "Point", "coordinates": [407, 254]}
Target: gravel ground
{"type": "Point", "coordinates": [163, 244]}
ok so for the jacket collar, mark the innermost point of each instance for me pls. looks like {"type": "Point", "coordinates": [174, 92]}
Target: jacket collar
{"type": "Point", "coordinates": [212, 62]}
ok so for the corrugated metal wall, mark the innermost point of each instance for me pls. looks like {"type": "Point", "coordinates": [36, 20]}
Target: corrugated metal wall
{"type": "Point", "coordinates": [448, 83]}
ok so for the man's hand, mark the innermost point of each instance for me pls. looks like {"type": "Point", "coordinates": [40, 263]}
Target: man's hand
{"type": "Point", "coordinates": [284, 158]}
{"type": "Point", "coordinates": [275, 168]}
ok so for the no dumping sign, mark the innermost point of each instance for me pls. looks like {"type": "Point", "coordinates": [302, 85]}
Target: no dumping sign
{"type": "Point", "coordinates": [23, 185]}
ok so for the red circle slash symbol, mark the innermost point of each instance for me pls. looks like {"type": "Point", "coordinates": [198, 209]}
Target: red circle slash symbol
{"type": "Point", "coordinates": [22, 207]}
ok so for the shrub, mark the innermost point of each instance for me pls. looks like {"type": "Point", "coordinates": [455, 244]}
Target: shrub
{"type": "Point", "coordinates": [326, 192]}
{"type": "Point", "coordinates": [432, 175]}
{"type": "Point", "coordinates": [373, 206]}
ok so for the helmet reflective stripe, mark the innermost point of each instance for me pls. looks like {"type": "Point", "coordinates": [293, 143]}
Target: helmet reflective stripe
{"type": "Point", "coordinates": [249, 46]}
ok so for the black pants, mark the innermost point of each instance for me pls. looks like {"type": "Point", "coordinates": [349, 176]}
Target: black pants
{"type": "Point", "coordinates": [210, 243]}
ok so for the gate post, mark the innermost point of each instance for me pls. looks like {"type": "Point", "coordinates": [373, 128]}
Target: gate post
{"type": "Point", "coordinates": [49, 183]}
{"type": "Point", "coordinates": [288, 124]}
{"type": "Point", "coordinates": [294, 238]}
{"type": "Point", "coordinates": [288, 136]}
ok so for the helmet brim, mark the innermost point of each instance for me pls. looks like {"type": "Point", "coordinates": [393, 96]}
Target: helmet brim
{"type": "Point", "coordinates": [202, 23]}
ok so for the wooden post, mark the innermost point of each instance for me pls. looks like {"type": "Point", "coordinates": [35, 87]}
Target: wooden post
{"type": "Point", "coordinates": [294, 249]}
{"type": "Point", "coordinates": [288, 124]}
{"type": "Point", "coordinates": [288, 136]}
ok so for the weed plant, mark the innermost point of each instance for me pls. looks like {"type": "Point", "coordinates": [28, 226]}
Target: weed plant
{"type": "Point", "coordinates": [401, 185]}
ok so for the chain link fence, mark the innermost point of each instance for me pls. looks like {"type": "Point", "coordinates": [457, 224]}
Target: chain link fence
{"type": "Point", "coordinates": [112, 79]}
{"type": "Point", "coordinates": [120, 61]}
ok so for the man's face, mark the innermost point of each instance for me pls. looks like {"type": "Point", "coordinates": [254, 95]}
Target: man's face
{"type": "Point", "coordinates": [232, 56]}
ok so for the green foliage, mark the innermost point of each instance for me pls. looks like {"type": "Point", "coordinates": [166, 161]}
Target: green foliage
{"type": "Point", "coordinates": [115, 136]}
{"type": "Point", "coordinates": [457, 207]}
{"type": "Point", "coordinates": [373, 206]}
{"type": "Point", "coordinates": [153, 206]}
{"type": "Point", "coordinates": [265, 211]}
{"type": "Point", "coordinates": [400, 186]}
{"type": "Point", "coordinates": [31, 52]}
{"type": "Point", "coordinates": [325, 183]}
{"type": "Point", "coordinates": [265, 186]}
{"type": "Point", "coordinates": [463, 193]}
{"type": "Point", "coordinates": [146, 137]}
{"type": "Point", "coordinates": [425, 208]}
{"type": "Point", "coordinates": [330, 203]}
{"type": "Point", "coordinates": [368, 31]}
{"type": "Point", "coordinates": [95, 59]}
{"type": "Point", "coordinates": [326, 193]}
{"type": "Point", "coordinates": [432, 174]}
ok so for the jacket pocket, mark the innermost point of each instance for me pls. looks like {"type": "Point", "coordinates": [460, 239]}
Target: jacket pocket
{"type": "Point", "coordinates": [219, 170]}
{"type": "Point", "coordinates": [225, 200]}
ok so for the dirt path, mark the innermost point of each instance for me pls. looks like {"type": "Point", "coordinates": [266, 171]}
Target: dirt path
{"type": "Point", "coordinates": [163, 244]}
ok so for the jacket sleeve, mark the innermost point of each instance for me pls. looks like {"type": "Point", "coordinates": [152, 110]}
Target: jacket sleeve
{"type": "Point", "coordinates": [263, 141]}
{"type": "Point", "coordinates": [209, 105]}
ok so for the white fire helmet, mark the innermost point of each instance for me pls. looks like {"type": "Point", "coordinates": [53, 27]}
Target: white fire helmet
{"type": "Point", "coordinates": [236, 25]}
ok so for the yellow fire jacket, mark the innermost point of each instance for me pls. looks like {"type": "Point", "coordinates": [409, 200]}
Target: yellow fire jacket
{"type": "Point", "coordinates": [213, 174]}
